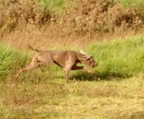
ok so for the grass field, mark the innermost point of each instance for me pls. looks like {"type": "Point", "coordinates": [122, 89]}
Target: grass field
{"type": "Point", "coordinates": [78, 99]}
{"type": "Point", "coordinates": [114, 91]}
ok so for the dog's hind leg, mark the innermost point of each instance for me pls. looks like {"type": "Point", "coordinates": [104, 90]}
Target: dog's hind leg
{"type": "Point", "coordinates": [33, 64]}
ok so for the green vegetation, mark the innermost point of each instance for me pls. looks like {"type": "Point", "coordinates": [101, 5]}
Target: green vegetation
{"type": "Point", "coordinates": [45, 95]}
{"type": "Point", "coordinates": [56, 5]}
{"type": "Point", "coordinates": [6, 59]}
{"type": "Point", "coordinates": [82, 99]}
{"type": "Point", "coordinates": [132, 3]}
{"type": "Point", "coordinates": [120, 58]}
{"type": "Point", "coordinates": [63, 3]}
{"type": "Point", "coordinates": [10, 59]}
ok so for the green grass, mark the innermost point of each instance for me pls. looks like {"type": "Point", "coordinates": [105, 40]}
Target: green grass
{"type": "Point", "coordinates": [53, 2]}
{"type": "Point", "coordinates": [132, 3]}
{"type": "Point", "coordinates": [7, 60]}
{"type": "Point", "coordinates": [10, 60]}
{"type": "Point", "coordinates": [40, 95]}
{"type": "Point", "coordinates": [56, 5]}
{"type": "Point", "coordinates": [119, 58]}
{"type": "Point", "coordinates": [82, 99]}
{"type": "Point", "coordinates": [63, 3]}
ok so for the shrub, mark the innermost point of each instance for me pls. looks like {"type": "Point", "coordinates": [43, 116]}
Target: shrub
{"type": "Point", "coordinates": [16, 13]}
{"type": "Point", "coordinates": [101, 16]}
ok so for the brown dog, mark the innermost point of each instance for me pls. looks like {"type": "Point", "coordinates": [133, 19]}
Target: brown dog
{"type": "Point", "coordinates": [67, 60]}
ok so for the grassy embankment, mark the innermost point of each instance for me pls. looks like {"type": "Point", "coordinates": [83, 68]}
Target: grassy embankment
{"type": "Point", "coordinates": [114, 91]}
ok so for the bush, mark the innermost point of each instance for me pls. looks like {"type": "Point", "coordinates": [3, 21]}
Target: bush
{"type": "Point", "coordinates": [137, 4]}
{"type": "Point", "coordinates": [101, 16]}
{"type": "Point", "coordinates": [16, 13]}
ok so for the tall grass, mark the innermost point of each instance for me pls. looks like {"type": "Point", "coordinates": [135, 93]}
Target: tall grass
{"type": "Point", "coordinates": [119, 58]}
{"type": "Point", "coordinates": [10, 60]}
{"type": "Point", "coordinates": [7, 59]}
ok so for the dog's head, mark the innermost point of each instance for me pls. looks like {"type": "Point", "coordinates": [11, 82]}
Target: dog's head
{"type": "Point", "coordinates": [88, 59]}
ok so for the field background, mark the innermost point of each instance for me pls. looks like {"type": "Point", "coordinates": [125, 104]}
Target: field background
{"type": "Point", "coordinates": [110, 30]}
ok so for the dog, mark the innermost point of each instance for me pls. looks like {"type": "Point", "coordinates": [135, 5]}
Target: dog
{"type": "Point", "coordinates": [67, 60]}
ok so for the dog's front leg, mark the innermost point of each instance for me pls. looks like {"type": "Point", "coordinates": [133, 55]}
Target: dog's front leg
{"type": "Point", "coordinates": [88, 70]}
{"type": "Point", "coordinates": [82, 68]}
{"type": "Point", "coordinates": [66, 71]}
{"type": "Point", "coordinates": [77, 67]}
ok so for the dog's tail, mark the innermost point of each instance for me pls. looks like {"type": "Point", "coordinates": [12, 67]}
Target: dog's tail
{"type": "Point", "coordinates": [37, 50]}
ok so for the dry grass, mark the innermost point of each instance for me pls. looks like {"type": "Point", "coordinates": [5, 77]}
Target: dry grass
{"type": "Point", "coordinates": [44, 38]}
{"type": "Point", "coordinates": [89, 17]}
{"type": "Point", "coordinates": [82, 99]}
{"type": "Point", "coordinates": [28, 22]}
{"type": "Point", "coordinates": [19, 13]}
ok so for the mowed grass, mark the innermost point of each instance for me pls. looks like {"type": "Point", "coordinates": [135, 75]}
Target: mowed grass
{"type": "Point", "coordinates": [114, 91]}
{"type": "Point", "coordinates": [82, 99]}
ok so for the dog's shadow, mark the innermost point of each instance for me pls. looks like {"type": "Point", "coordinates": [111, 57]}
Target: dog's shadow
{"type": "Point", "coordinates": [99, 76]}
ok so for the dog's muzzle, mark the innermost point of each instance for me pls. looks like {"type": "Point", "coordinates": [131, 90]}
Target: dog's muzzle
{"type": "Point", "coordinates": [94, 64]}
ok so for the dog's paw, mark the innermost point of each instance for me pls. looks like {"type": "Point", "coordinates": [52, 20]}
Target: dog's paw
{"type": "Point", "coordinates": [89, 71]}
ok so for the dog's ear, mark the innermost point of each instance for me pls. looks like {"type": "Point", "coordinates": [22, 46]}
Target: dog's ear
{"type": "Point", "coordinates": [82, 52]}
{"type": "Point", "coordinates": [85, 55]}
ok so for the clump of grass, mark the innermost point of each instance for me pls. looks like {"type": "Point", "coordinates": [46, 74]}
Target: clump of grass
{"type": "Point", "coordinates": [120, 58]}
{"type": "Point", "coordinates": [11, 60]}
{"type": "Point", "coordinates": [7, 59]}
